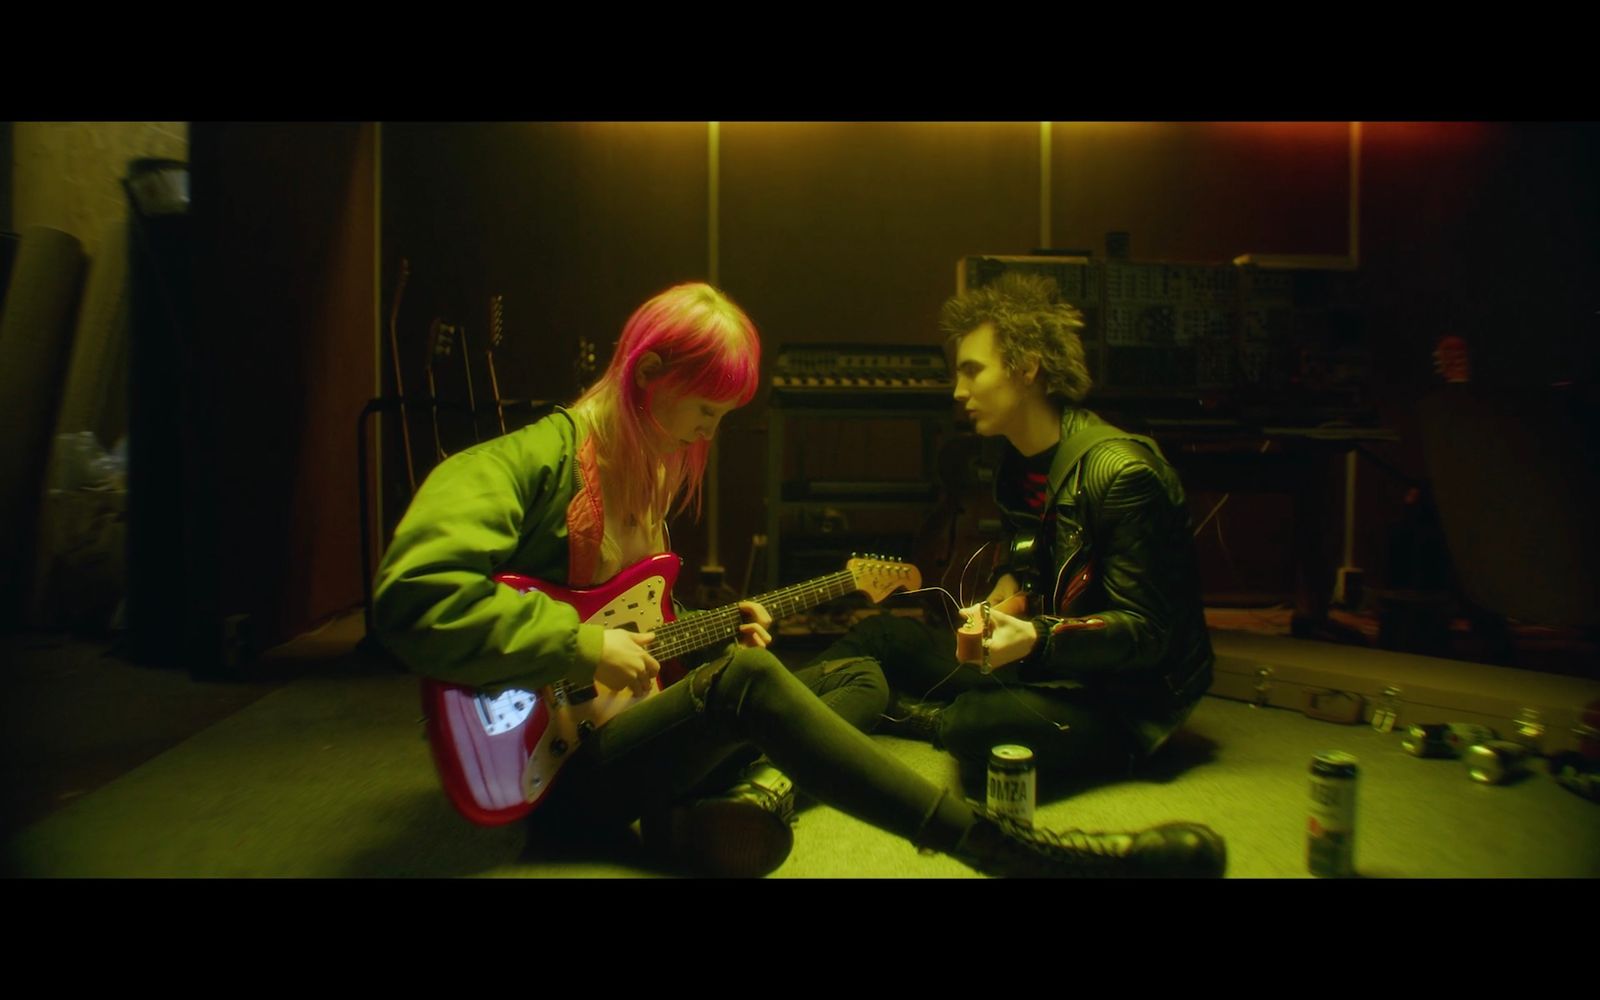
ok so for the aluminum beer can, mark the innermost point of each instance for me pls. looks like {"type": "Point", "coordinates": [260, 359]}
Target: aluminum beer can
{"type": "Point", "coordinates": [1462, 735]}
{"type": "Point", "coordinates": [1331, 830]}
{"type": "Point", "coordinates": [1444, 739]}
{"type": "Point", "coordinates": [1496, 762]}
{"type": "Point", "coordinates": [1013, 784]}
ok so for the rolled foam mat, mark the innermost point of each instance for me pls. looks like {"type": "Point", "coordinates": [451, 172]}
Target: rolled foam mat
{"type": "Point", "coordinates": [35, 340]}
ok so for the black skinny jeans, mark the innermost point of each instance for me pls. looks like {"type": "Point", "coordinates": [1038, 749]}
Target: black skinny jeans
{"type": "Point", "coordinates": [809, 723]}
{"type": "Point", "coordinates": [1069, 730]}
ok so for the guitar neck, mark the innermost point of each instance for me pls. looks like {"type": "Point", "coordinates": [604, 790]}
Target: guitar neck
{"type": "Point", "coordinates": [494, 387]}
{"type": "Point", "coordinates": [709, 627]}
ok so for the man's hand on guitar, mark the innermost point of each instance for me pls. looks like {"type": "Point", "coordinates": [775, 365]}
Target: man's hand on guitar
{"type": "Point", "coordinates": [753, 632]}
{"type": "Point", "coordinates": [1005, 589]}
{"type": "Point", "coordinates": [625, 664]}
{"type": "Point", "coordinates": [1011, 638]}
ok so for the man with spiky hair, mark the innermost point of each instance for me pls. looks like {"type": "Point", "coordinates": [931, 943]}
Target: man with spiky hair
{"type": "Point", "coordinates": [1112, 653]}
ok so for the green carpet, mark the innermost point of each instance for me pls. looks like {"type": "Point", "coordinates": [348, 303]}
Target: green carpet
{"type": "Point", "coordinates": [330, 777]}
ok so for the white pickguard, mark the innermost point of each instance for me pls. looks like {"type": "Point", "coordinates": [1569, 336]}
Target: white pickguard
{"type": "Point", "coordinates": [638, 609]}
{"type": "Point", "coordinates": [639, 606]}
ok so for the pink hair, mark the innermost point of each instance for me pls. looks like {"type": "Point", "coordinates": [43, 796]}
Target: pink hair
{"type": "Point", "coordinates": [708, 347]}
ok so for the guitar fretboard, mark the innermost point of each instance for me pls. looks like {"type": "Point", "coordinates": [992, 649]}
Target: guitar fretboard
{"type": "Point", "coordinates": [700, 630]}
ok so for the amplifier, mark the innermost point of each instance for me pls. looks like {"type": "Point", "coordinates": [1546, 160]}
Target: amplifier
{"type": "Point", "coordinates": [857, 374]}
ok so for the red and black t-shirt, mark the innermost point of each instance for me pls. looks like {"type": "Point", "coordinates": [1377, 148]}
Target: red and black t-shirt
{"type": "Point", "coordinates": [1033, 482]}
{"type": "Point", "coordinates": [1024, 494]}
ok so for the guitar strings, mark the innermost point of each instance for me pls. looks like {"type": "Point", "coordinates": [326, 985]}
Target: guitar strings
{"type": "Point", "coordinates": [954, 603]}
{"type": "Point", "coordinates": [700, 624]}
{"type": "Point", "coordinates": [962, 583]}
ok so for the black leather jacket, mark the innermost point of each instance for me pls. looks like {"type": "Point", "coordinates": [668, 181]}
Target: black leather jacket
{"type": "Point", "coordinates": [1117, 589]}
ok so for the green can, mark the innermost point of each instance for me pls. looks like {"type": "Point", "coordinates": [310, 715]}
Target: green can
{"type": "Point", "coordinates": [1331, 830]}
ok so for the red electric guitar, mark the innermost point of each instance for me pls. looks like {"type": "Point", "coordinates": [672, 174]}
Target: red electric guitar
{"type": "Point", "coordinates": [499, 754]}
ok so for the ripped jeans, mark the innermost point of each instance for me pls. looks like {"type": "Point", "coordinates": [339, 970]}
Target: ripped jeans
{"type": "Point", "coordinates": [687, 739]}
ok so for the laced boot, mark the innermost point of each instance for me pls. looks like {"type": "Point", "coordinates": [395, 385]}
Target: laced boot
{"type": "Point", "coordinates": [745, 832]}
{"type": "Point", "coordinates": [911, 719]}
{"type": "Point", "coordinates": [997, 845]}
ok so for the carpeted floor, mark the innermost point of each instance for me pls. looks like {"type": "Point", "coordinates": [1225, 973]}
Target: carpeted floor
{"type": "Point", "coordinates": [327, 775]}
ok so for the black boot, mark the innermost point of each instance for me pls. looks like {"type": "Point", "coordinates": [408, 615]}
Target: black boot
{"type": "Point", "coordinates": [999, 846]}
{"type": "Point", "coordinates": [911, 719]}
{"type": "Point", "coordinates": [743, 833]}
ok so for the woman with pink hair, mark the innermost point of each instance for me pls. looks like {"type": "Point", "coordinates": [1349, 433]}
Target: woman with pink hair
{"type": "Point", "coordinates": [584, 493]}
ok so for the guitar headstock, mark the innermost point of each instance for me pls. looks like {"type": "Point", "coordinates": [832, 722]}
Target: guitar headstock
{"type": "Point", "coordinates": [585, 366]}
{"type": "Point", "coordinates": [878, 577]}
{"type": "Point", "coordinates": [497, 321]}
{"type": "Point", "coordinates": [441, 340]}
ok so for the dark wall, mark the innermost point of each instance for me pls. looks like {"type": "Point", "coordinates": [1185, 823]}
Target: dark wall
{"type": "Point", "coordinates": [283, 278]}
{"type": "Point", "coordinates": [1483, 230]}
{"type": "Point", "coordinates": [1487, 231]}
{"type": "Point", "coordinates": [8, 248]}
{"type": "Point", "coordinates": [1202, 192]}
{"type": "Point", "coordinates": [575, 225]}
{"type": "Point", "coordinates": [851, 232]}
{"type": "Point", "coordinates": [5, 176]}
